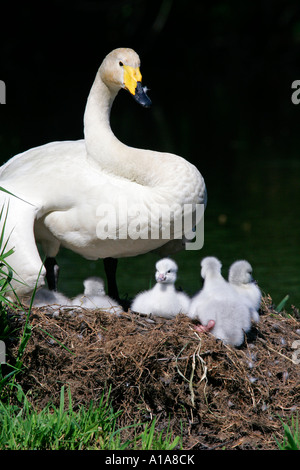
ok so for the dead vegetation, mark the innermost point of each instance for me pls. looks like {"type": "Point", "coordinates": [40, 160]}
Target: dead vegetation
{"type": "Point", "coordinates": [215, 396]}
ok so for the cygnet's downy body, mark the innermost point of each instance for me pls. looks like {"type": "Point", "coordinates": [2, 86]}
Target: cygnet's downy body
{"type": "Point", "coordinates": [215, 286]}
{"type": "Point", "coordinates": [44, 297]}
{"type": "Point", "coordinates": [240, 277]}
{"type": "Point", "coordinates": [162, 300]}
{"type": "Point", "coordinates": [218, 302]}
{"type": "Point", "coordinates": [232, 320]}
{"type": "Point", "coordinates": [94, 296]}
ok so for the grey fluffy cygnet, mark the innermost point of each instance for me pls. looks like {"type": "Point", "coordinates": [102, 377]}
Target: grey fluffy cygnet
{"type": "Point", "coordinates": [240, 277]}
{"type": "Point", "coordinates": [162, 300]}
{"type": "Point", "coordinates": [219, 306]}
{"type": "Point", "coordinates": [94, 296]}
{"type": "Point", "coordinates": [44, 297]}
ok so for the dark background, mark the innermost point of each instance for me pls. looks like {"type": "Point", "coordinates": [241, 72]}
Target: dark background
{"type": "Point", "coordinates": [219, 75]}
{"type": "Point", "coordinates": [227, 65]}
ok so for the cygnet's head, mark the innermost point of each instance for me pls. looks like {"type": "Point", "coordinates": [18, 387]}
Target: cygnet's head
{"type": "Point", "coordinates": [210, 266]}
{"type": "Point", "coordinates": [166, 271]}
{"type": "Point", "coordinates": [240, 272]}
{"type": "Point", "coordinates": [93, 286]}
{"type": "Point", "coordinates": [121, 69]}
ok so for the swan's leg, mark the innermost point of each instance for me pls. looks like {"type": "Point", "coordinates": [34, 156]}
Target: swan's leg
{"type": "Point", "coordinates": [110, 267]}
{"type": "Point", "coordinates": [52, 271]}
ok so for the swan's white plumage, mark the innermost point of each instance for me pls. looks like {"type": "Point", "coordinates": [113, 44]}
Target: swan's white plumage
{"type": "Point", "coordinates": [240, 277]}
{"type": "Point", "coordinates": [218, 301]}
{"type": "Point", "coordinates": [94, 296]}
{"type": "Point", "coordinates": [162, 300]}
{"type": "Point", "coordinates": [63, 186]}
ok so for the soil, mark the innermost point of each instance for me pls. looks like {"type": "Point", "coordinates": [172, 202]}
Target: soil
{"type": "Point", "coordinates": [215, 396]}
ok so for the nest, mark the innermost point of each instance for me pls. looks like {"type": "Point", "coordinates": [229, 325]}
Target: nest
{"type": "Point", "coordinates": [213, 395]}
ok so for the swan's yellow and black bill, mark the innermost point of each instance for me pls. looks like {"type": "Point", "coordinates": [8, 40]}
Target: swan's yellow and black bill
{"type": "Point", "coordinates": [133, 83]}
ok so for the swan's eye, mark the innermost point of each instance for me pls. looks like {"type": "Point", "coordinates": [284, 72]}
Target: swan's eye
{"type": "Point", "coordinates": [169, 271]}
{"type": "Point", "coordinates": [121, 64]}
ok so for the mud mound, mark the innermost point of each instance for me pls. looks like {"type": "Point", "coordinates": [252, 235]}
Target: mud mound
{"type": "Point", "coordinates": [216, 395]}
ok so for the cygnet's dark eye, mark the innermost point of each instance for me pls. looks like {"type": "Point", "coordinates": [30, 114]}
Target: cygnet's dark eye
{"type": "Point", "coordinates": [121, 64]}
{"type": "Point", "coordinates": [169, 271]}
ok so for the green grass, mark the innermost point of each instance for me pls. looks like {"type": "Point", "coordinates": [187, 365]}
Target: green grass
{"type": "Point", "coordinates": [150, 439]}
{"type": "Point", "coordinates": [23, 428]}
{"type": "Point", "coordinates": [62, 428]}
{"type": "Point", "coordinates": [291, 438]}
{"type": "Point", "coordinates": [282, 304]}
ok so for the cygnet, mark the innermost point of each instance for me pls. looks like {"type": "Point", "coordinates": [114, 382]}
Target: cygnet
{"type": "Point", "coordinates": [218, 306]}
{"type": "Point", "coordinates": [215, 286]}
{"type": "Point", "coordinates": [45, 297]}
{"type": "Point", "coordinates": [231, 320]}
{"type": "Point", "coordinates": [162, 300]}
{"type": "Point", "coordinates": [94, 296]}
{"type": "Point", "coordinates": [240, 277]}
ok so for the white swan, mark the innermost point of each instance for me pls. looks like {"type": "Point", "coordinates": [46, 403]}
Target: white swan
{"type": "Point", "coordinates": [219, 307]}
{"type": "Point", "coordinates": [94, 196]}
{"type": "Point", "coordinates": [162, 300]}
{"type": "Point", "coordinates": [240, 277]}
{"type": "Point", "coordinates": [94, 296]}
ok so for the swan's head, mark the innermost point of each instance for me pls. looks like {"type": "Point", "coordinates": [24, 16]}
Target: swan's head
{"type": "Point", "coordinates": [93, 286]}
{"type": "Point", "coordinates": [121, 69]}
{"type": "Point", "coordinates": [240, 272]}
{"type": "Point", "coordinates": [166, 271]}
{"type": "Point", "coordinates": [210, 266]}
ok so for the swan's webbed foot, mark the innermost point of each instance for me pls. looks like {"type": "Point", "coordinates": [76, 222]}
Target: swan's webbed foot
{"type": "Point", "coordinates": [52, 271]}
{"type": "Point", "coordinates": [205, 328]}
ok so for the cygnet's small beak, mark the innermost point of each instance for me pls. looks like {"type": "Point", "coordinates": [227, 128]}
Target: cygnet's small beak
{"type": "Point", "coordinates": [161, 277]}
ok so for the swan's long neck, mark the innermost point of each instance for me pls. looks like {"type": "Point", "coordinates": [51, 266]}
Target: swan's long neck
{"type": "Point", "coordinates": [102, 145]}
{"type": "Point", "coordinates": [97, 131]}
{"type": "Point", "coordinates": [152, 169]}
